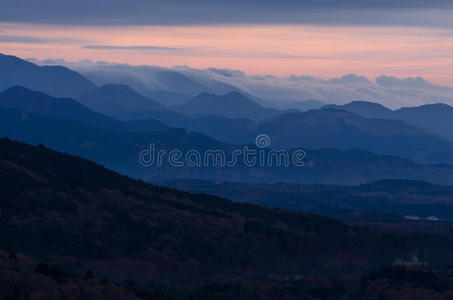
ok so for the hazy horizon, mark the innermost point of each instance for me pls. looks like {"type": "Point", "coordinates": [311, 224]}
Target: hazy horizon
{"type": "Point", "coordinates": [391, 91]}
{"type": "Point", "coordinates": [87, 62]}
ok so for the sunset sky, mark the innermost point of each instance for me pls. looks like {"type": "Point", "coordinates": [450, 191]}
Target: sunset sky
{"type": "Point", "coordinates": [318, 38]}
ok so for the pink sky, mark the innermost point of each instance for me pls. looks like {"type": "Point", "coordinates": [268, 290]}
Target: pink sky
{"type": "Point", "coordinates": [323, 51]}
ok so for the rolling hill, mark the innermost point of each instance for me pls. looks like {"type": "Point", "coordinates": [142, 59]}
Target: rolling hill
{"type": "Point", "coordinates": [167, 98]}
{"type": "Point", "coordinates": [365, 109]}
{"type": "Point", "coordinates": [325, 128]}
{"type": "Point", "coordinates": [66, 125]}
{"type": "Point", "coordinates": [331, 128]}
{"type": "Point", "coordinates": [303, 105]}
{"type": "Point", "coordinates": [437, 118]}
{"type": "Point", "coordinates": [26, 100]}
{"type": "Point", "coordinates": [116, 99]}
{"type": "Point", "coordinates": [119, 150]}
{"type": "Point", "coordinates": [218, 127]}
{"type": "Point", "coordinates": [106, 218]}
{"type": "Point", "coordinates": [231, 105]}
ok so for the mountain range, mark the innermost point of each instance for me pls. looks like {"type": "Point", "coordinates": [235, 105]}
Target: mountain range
{"type": "Point", "coordinates": [231, 105]}
{"type": "Point", "coordinates": [123, 102]}
{"type": "Point", "coordinates": [229, 121]}
{"type": "Point", "coordinates": [315, 129]}
{"type": "Point", "coordinates": [328, 128]}
{"type": "Point", "coordinates": [68, 126]}
{"type": "Point", "coordinates": [282, 91]}
{"type": "Point", "coordinates": [120, 151]}
{"type": "Point", "coordinates": [25, 100]}
{"type": "Point", "coordinates": [152, 81]}
{"type": "Point", "coordinates": [437, 118]}
{"type": "Point", "coordinates": [305, 105]}
{"type": "Point", "coordinates": [325, 128]}
{"type": "Point", "coordinates": [66, 221]}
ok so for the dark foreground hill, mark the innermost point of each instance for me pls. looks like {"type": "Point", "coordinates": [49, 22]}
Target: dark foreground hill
{"type": "Point", "coordinates": [72, 215]}
{"type": "Point", "coordinates": [386, 200]}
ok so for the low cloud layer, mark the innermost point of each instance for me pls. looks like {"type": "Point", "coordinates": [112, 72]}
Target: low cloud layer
{"type": "Point", "coordinates": [390, 91]}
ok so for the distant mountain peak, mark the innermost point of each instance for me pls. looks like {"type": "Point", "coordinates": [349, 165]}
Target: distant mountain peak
{"type": "Point", "coordinates": [57, 81]}
{"type": "Point", "coordinates": [367, 104]}
{"type": "Point", "coordinates": [441, 106]}
{"type": "Point", "coordinates": [235, 94]}
{"type": "Point", "coordinates": [116, 99]}
{"type": "Point", "coordinates": [206, 94]}
{"type": "Point", "coordinates": [23, 89]}
{"type": "Point", "coordinates": [436, 109]}
{"type": "Point", "coordinates": [229, 97]}
{"type": "Point", "coordinates": [364, 108]}
{"type": "Point", "coordinates": [230, 105]}
{"type": "Point", "coordinates": [118, 86]}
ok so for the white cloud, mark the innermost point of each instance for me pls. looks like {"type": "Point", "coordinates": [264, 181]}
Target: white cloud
{"type": "Point", "coordinates": [389, 91]}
